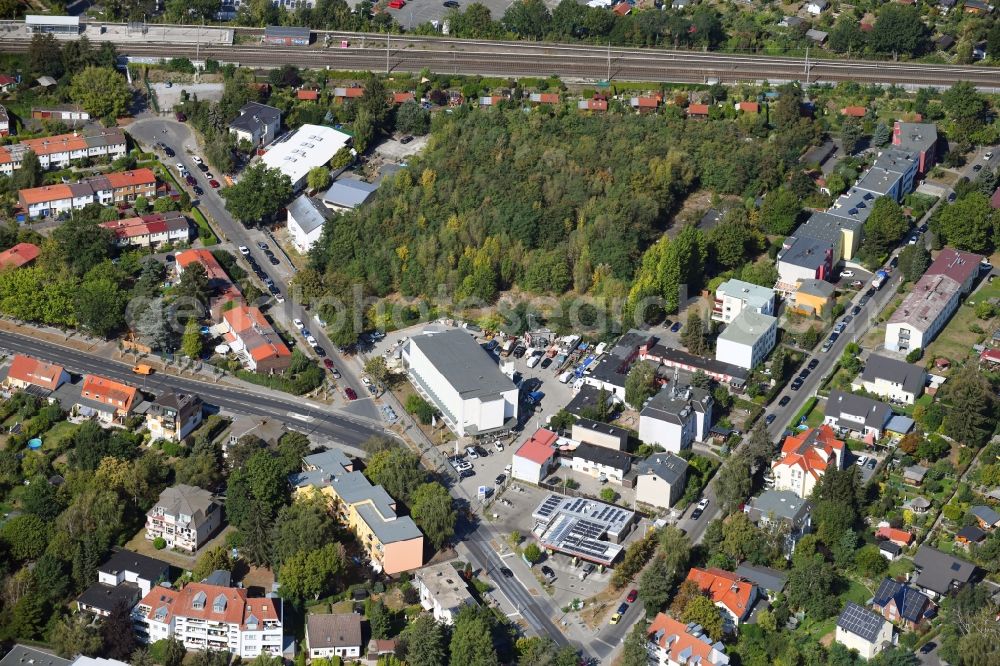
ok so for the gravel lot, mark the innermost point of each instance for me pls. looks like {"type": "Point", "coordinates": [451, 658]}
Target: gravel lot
{"type": "Point", "coordinates": [168, 97]}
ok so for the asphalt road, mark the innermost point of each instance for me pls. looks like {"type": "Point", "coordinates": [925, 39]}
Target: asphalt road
{"type": "Point", "coordinates": [179, 137]}
{"type": "Point", "coordinates": [296, 413]}
{"type": "Point", "coordinates": [370, 52]}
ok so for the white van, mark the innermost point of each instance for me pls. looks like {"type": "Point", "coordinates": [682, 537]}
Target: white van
{"type": "Point", "coordinates": [564, 377]}
{"type": "Point", "coordinates": [533, 361]}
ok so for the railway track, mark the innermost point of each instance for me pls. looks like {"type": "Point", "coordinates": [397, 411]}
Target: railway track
{"type": "Point", "coordinates": [412, 54]}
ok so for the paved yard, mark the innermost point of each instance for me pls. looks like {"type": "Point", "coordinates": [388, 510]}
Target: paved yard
{"type": "Point", "coordinates": [139, 544]}
{"type": "Point", "coordinates": [168, 97]}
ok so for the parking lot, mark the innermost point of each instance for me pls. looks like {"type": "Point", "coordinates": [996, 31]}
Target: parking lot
{"type": "Point", "coordinates": [169, 96]}
{"type": "Point", "coordinates": [424, 11]}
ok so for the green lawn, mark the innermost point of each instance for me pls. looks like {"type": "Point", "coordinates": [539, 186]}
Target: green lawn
{"type": "Point", "coordinates": [57, 436]}
{"type": "Point", "coordinates": [857, 593]}
{"type": "Point", "coordinates": [900, 567]}
{"type": "Point", "coordinates": [956, 340]}
{"type": "Point", "coordinates": [205, 232]}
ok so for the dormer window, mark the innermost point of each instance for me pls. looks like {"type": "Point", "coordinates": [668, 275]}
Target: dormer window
{"type": "Point", "coordinates": [219, 605]}
{"type": "Point", "coordinates": [199, 601]}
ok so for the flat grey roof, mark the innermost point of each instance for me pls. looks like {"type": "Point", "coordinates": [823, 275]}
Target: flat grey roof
{"type": "Point", "coordinates": [668, 404]}
{"type": "Point", "coordinates": [830, 227]}
{"type": "Point", "coordinates": [854, 204]}
{"type": "Point", "coordinates": [348, 192]}
{"type": "Point", "coordinates": [286, 31]}
{"type": "Point", "coordinates": [916, 136]}
{"type": "Point", "coordinates": [748, 327]}
{"type": "Point", "coordinates": [806, 251]}
{"type": "Point", "coordinates": [783, 504]}
{"type": "Point", "coordinates": [468, 367]}
{"type": "Point", "coordinates": [754, 295]}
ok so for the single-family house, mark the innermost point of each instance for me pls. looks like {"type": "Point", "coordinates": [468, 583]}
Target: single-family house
{"type": "Point", "coordinates": [110, 401]}
{"type": "Point", "coordinates": [661, 480]}
{"type": "Point", "coordinates": [939, 574]}
{"type": "Point", "coordinates": [596, 103]}
{"type": "Point", "coordinates": [863, 630]}
{"type": "Point", "coordinates": [443, 591]}
{"type": "Point", "coordinates": [123, 579]}
{"type": "Point", "coordinates": [903, 604]}
{"type": "Point", "coordinates": [805, 457]}
{"type": "Point", "coordinates": [333, 635]}
{"type": "Point", "coordinates": [184, 516]}
{"type": "Point", "coordinates": [7, 82]}
{"type": "Point", "coordinates": [36, 377]}
{"type": "Point", "coordinates": [403, 97]}
{"type": "Point", "coordinates": [898, 381]}
{"type": "Point", "coordinates": [306, 218]}
{"type": "Point", "coordinates": [897, 536]}
{"type": "Point", "coordinates": [858, 414]}
{"type": "Point", "coordinates": [987, 518]}
{"type": "Point", "coordinates": [676, 417]}
{"type": "Point", "coordinates": [534, 460]}
{"type": "Point", "coordinates": [307, 95]}
{"type": "Point", "coordinates": [854, 111]}
{"type": "Point", "coordinates": [257, 124]}
{"type": "Point", "coordinates": [697, 110]}
{"type": "Point", "coordinates": [733, 595]}
{"type": "Point", "coordinates": [267, 430]}
{"type": "Point", "coordinates": [173, 416]}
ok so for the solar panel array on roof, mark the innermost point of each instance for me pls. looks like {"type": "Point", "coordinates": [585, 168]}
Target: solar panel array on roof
{"type": "Point", "coordinates": [860, 621]}
{"type": "Point", "coordinates": [582, 527]}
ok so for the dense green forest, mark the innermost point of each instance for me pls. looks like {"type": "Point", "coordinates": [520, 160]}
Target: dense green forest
{"type": "Point", "coordinates": [545, 202]}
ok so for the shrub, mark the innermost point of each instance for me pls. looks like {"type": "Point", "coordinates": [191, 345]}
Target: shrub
{"type": "Point", "coordinates": [915, 355]}
{"type": "Point", "coordinates": [420, 408]}
{"type": "Point", "coordinates": [532, 553]}
{"type": "Point", "coordinates": [159, 543]}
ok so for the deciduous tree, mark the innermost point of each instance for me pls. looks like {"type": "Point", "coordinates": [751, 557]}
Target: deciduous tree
{"type": "Point", "coordinates": [102, 91]}
{"type": "Point", "coordinates": [432, 510]}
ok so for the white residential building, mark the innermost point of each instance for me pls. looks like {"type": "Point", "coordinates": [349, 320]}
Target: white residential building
{"type": "Point", "coordinates": [891, 379]}
{"type": "Point", "coordinates": [310, 146]}
{"type": "Point", "coordinates": [863, 630]}
{"type": "Point", "coordinates": [732, 296]}
{"type": "Point", "coordinates": [333, 635]}
{"type": "Point", "coordinates": [257, 123]}
{"type": "Point", "coordinates": [747, 340]}
{"type": "Point", "coordinates": [442, 591]}
{"type": "Point", "coordinates": [534, 460]}
{"type": "Point", "coordinates": [600, 462]}
{"type": "Point", "coordinates": [460, 379]}
{"type": "Point", "coordinates": [661, 480]}
{"type": "Point", "coordinates": [675, 417]}
{"type": "Point", "coordinates": [173, 416]}
{"type": "Point", "coordinates": [211, 617]}
{"type": "Point", "coordinates": [125, 578]}
{"type": "Point", "coordinates": [185, 517]}
{"type": "Point", "coordinates": [306, 217]}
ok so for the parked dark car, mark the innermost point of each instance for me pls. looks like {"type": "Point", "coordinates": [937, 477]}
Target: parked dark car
{"type": "Point", "coordinates": [676, 327]}
{"type": "Point", "coordinates": [797, 384]}
{"type": "Point", "coordinates": [507, 573]}
{"type": "Point", "coordinates": [784, 401]}
{"type": "Point", "coordinates": [546, 362]}
{"type": "Point", "coordinates": [168, 151]}
{"type": "Point", "coordinates": [351, 395]}
{"type": "Point", "coordinates": [812, 364]}
{"type": "Point", "coordinates": [770, 419]}
{"type": "Point", "coordinates": [480, 451]}
{"type": "Point", "coordinates": [180, 117]}
{"type": "Point", "coordinates": [189, 179]}
{"type": "Point", "coordinates": [548, 572]}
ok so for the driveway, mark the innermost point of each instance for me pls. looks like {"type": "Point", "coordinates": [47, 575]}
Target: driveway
{"type": "Point", "coordinates": [233, 234]}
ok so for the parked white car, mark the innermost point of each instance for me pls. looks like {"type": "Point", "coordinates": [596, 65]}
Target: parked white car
{"type": "Point", "coordinates": [311, 340]}
{"type": "Point", "coordinates": [846, 274]}
{"type": "Point", "coordinates": [298, 324]}
{"type": "Point", "coordinates": [244, 250]}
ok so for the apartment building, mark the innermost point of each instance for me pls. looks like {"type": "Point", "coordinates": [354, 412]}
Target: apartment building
{"type": "Point", "coordinates": [257, 124]}
{"type": "Point", "coordinates": [804, 458]}
{"type": "Point", "coordinates": [109, 401]}
{"type": "Point", "coordinates": [107, 189]}
{"type": "Point", "coordinates": [732, 296]}
{"type": "Point", "coordinates": [150, 230]}
{"type": "Point", "coordinates": [921, 138]}
{"type": "Point", "coordinates": [661, 480]}
{"type": "Point", "coordinates": [58, 151]}
{"type": "Point", "coordinates": [894, 380]}
{"type": "Point", "coordinates": [185, 517]}
{"type": "Point", "coordinates": [393, 542]}
{"type": "Point", "coordinates": [34, 376]}
{"type": "Point", "coordinates": [443, 592]}
{"type": "Point", "coordinates": [933, 300]}
{"type": "Point", "coordinates": [781, 511]}
{"type": "Point", "coordinates": [733, 595]}
{"type": "Point", "coordinates": [804, 258]}
{"type": "Point", "coordinates": [673, 643]}
{"type": "Point", "coordinates": [747, 340]}
{"type": "Point", "coordinates": [212, 617]}
{"type": "Point", "coordinates": [676, 417]}
{"type": "Point", "coordinates": [173, 416]}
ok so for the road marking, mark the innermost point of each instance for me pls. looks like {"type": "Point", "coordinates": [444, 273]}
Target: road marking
{"type": "Point", "coordinates": [300, 417]}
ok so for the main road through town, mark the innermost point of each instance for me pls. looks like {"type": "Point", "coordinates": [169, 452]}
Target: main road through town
{"type": "Point", "coordinates": [299, 414]}
{"type": "Point", "coordinates": [410, 53]}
